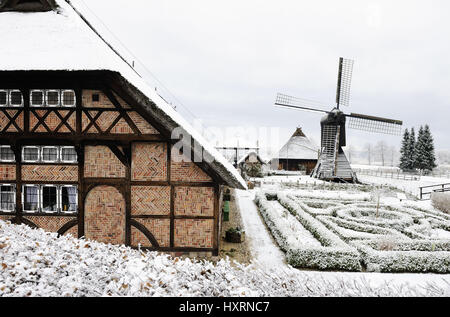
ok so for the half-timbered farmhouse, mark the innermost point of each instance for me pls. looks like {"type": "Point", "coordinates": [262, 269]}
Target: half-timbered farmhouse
{"type": "Point", "coordinates": [86, 145]}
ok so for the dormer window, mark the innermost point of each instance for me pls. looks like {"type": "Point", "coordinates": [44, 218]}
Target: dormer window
{"type": "Point", "coordinates": [53, 98]}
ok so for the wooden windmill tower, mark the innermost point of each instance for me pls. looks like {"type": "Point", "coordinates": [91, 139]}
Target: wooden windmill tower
{"type": "Point", "coordinates": [333, 164]}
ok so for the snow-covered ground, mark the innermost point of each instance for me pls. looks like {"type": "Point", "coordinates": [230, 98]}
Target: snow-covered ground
{"type": "Point", "coordinates": [36, 263]}
{"type": "Point", "coordinates": [267, 253]}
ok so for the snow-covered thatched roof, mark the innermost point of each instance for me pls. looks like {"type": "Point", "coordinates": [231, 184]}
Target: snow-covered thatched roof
{"type": "Point", "coordinates": [258, 157]}
{"type": "Point", "coordinates": [64, 40]}
{"type": "Point", "coordinates": [299, 147]}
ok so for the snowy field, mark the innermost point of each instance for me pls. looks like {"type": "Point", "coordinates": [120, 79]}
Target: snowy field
{"type": "Point", "coordinates": [36, 263]}
{"type": "Point", "coordinates": [353, 227]}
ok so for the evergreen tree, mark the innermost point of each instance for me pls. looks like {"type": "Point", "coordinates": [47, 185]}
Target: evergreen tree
{"type": "Point", "coordinates": [411, 150]}
{"type": "Point", "coordinates": [404, 151]}
{"type": "Point", "coordinates": [430, 157]}
{"type": "Point", "coordinates": [420, 158]}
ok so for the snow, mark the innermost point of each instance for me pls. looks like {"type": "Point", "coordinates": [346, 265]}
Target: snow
{"type": "Point", "coordinates": [264, 249]}
{"type": "Point", "coordinates": [63, 41]}
{"type": "Point", "coordinates": [299, 147]}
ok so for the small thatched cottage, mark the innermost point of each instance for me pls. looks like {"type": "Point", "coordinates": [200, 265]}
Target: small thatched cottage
{"type": "Point", "coordinates": [86, 145]}
{"type": "Point", "coordinates": [298, 154]}
{"type": "Point", "coordinates": [253, 165]}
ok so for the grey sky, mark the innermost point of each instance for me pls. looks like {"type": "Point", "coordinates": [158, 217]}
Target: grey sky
{"type": "Point", "coordinates": [226, 60]}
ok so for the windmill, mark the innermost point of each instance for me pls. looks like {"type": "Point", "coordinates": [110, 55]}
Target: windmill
{"type": "Point", "coordinates": [333, 164]}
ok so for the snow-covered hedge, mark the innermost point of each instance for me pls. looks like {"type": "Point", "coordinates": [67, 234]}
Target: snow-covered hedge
{"type": "Point", "coordinates": [332, 254]}
{"type": "Point", "coordinates": [36, 263]}
{"type": "Point", "coordinates": [413, 256]}
{"type": "Point", "coordinates": [441, 201]}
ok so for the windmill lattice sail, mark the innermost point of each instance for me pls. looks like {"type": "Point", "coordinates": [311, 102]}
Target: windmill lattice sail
{"type": "Point", "coordinates": [374, 124]}
{"type": "Point", "coordinates": [344, 82]}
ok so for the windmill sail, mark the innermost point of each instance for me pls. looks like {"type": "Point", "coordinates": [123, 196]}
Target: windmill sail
{"type": "Point", "coordinates": [344, 82]}
{"type": "Point", "coordinates": [374, 124]}
{"type": "Point", "coordinates": [298, 103]}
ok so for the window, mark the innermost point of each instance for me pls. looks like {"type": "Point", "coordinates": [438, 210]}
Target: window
{"type": "Point", "coordinates": [69, 199]}
{"type": "Point", "coordinates": [30, 198]}
{"type": "Point", "coordinates": [95, 98]}
{"type": "Point", "coordinates": [6, 154]}
{"type": "Point", "coordinates": [49, 199]}
{"type": "Point", "coordinates": [50, 154]}
{"type": "Point", "coordinates": [30, 154]}
{"type": "Point", "coordinates": [15, 98]}
{"type": "Point", "coordinates": [68, 154]}
{"type": "Point", "coordinates": [68, 98]}
{"type": "Point", "coordinates": [52, 98]}
{"type": "Point", "coordinates": [3, 98]}
{"type": "Point", "coordinates": [7, 198]}
{"type": "Point", "coordinates": [37, 98]}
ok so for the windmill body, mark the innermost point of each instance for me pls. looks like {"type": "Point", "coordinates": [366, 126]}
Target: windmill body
{"type": "Point", "coordinates": [333, 164]}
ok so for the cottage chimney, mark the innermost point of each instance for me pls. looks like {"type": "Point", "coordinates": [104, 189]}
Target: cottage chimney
{"type": "Point", "coordinates": [27, 5]}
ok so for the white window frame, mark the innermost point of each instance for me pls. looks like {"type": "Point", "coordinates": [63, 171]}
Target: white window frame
{"type": "Point", "coordinates": [61, 154]}
{"type": "Point", "coordinates": [60, 199]}
{"type": "Point", "coordinates": [41, 156]}
{"type": "Point", "coordinates": [6, 161]}
{"type": "Point", "coordinates": [59, 98]}
{"type": "Point", "coordinates": [62, 98]}
{"type": "Point", "coordinates": [31, 147]}
{"type": "Point", "coordinates": [43, 98]}
{"type": "Point", "coordinates": [38, 197]}
{"type": "Point", "coordinates": [14, 192]}
{"type": "Point", "coordinates": [41, 199]}
{"type": "Point", "coordinates": [9, 98]}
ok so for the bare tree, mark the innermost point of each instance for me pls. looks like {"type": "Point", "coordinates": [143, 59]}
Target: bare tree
{"type": "Point", "coordinates": [381, 149]}
{"type": "Point", "coordinates": [368, 147]}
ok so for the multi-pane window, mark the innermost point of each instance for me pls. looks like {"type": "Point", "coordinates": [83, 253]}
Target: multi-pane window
{"type": "Point", "coordinates": [50, 199]}
{"type": "Point", "coordinates": [68, 98]}
{"type": "Point", "coordinates": [37, 98]}
{"type": "Point", "coordinates": [68, 154]}
{"type": "Point", "coordinates": [3, 98]}
{"type": "Point", "coordinates": [30, 154]}
{"type": "Point", "coordinates": [50, 154]}
{"type": "Point", "coordinates": [69, 199]}
{"type": "Point", "coordinates": [11, 98]}
{"type": "Point", "coordinates": [30, 199]}
{"type": "Point", "coordinates": [7, 198]}
{"type": "Point", "coordinates": [52, 98]}
{"type": "Point", "coordinates": [6, 154]}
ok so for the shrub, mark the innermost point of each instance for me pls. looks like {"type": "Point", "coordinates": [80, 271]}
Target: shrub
{"type": "Point", "coordinates": [441, 201]}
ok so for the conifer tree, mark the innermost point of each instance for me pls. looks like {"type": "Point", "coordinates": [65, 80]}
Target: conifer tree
{"type": "Point", "coordinates": [430, 157]}
{"type": "Point", "coordinates": [404, 151]}
{"type": "Point", "coordinates": [420, 158]}
{"type": "Point", "coordinates": [411, 150]}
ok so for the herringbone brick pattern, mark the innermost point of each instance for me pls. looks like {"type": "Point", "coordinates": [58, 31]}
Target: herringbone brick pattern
{"type": "Point", "coordinates": [7, 172]}
{"type": "Point", "coordinates": [194, 201]}
{"type": "Point", "coordinates": [122, 102]}
{"type": "Point", "coordinates": [149, 162]}
{"type": "Point", "coordinates": [106, 119]}
{"type": "Point", "coordinates": [194, 233]}
{"type": "Point", "coordinates": [160, 228]}
{"type": "Point", "coordinates": [143, 126]}
{"type": "Point", "coordinates": [105, 215]}
{"type": "Point", "coordinates": [49, 224]}
{"type": "Point", "coordinates": [52, 121]}
{"type": "Point", "coordinates": [187, 172]}
{"type": "Point", "coordinates": [48, 173]}
{"type": "Point", "coordinates": [150, 200]}
{"type": "Point", "coordinates": [122, 127]}
{"type": "Point", "coordinates": [103, 102]}
{"type": "Point", "coordinates": [4, 121]}
{"type": "Point", "coordinates": [100, 162]}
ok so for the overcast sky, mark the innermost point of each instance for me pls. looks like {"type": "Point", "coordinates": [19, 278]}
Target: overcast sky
{"type": "Point", "coordinates": [226, 60]}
